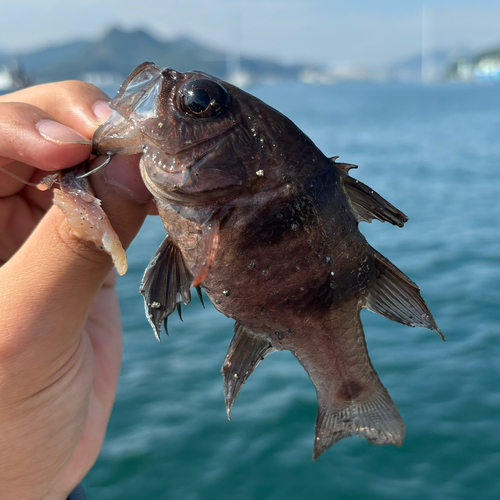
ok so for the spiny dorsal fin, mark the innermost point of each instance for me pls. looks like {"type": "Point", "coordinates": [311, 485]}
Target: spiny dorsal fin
{"type": "Point", "coordinates": [368, 204]}
{"type": "Point", "coordinates": [245, 352]}
{"type": "Point", "coordinates": [165, 285]}
{"type": "Point", "coordinates": [395, 296]}
{"type": "Point", "coordinates": [344, 166]}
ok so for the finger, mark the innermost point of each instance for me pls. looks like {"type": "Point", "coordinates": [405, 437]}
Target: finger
{"type": "Point", "coordinates": [17, 220]}
{"type": "Point", "coordinates": [9, 184]}
{"type": "Point", "coordinates": [122, 172]}
{"type": "Point", "coordinates": [21, 209]}
{"type": "Point", "coordinates": [35, 197]}
{"type": "Point", "coordinates": [79, 105]}
{"type": "Point", "coordinates": [31, 136]}
{"type": "Point", "coordinates": [54, 278]}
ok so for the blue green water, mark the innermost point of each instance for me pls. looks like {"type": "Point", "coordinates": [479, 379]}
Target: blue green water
{"type": "Point", "coordinates": [434, 152]}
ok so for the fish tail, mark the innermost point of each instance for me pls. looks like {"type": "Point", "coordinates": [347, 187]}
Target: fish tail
{"type": "Point", "coordinates": [374, 418]}
{"type": "Point", "coordinates": [352, 400]}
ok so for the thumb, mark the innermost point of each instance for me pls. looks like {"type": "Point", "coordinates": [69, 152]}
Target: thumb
{"type": "Point", "coordinates": [54, 277]}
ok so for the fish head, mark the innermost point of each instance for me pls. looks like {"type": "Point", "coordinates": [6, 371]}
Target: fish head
{"type": "Point", "coordinates": [203, 141]}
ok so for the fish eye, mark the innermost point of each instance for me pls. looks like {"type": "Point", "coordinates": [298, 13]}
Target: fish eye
{"type": "Point", "coordinates": [203, 98]}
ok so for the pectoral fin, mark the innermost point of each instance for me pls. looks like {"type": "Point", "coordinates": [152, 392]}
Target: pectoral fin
{"type": "Point", "coordinates": [369, 205]}
{"type": "Point", "coordinates": [245, 352]}
{"type": "Point", "coordinates": [396, 297]}
{"type": "Point", "coordinates": [165, 285]}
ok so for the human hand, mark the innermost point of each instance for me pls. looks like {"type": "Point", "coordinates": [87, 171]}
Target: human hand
{"type": "Point", "coordinates": [60, 331]}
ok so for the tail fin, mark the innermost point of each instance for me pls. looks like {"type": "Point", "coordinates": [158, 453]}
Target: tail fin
{"type": "Point", "coordinates": [396, 297]}
{"type": "Point", "coordinates": [351, 398]}
{"type": "Point", "coordinates": [376, 419]}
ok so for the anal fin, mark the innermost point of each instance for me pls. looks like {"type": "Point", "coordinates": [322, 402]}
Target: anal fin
{"type": "Point", "coordinates": [245, 352]}
{"type": "Point", "coordinates": [165, 284]}
{"type": "Point", "coordinates": [368, 204]}
{"type": "Point", "coordinates": [395, 296]}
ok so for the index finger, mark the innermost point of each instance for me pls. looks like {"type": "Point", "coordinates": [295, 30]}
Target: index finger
{"type": "Point", "coordinates": [32, 136]}
{"type": "Point", "coordinates": [79, 105]}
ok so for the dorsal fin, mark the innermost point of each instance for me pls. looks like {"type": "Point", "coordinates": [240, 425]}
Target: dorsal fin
{"type": "Point", "coordinates": [395, 296]}
{"type": "Point", "coordinates": [344, 166]}
{"type": "Point", "coordinates": [165, 285]}
{"type": "Point", "coordinates": [368, 204]}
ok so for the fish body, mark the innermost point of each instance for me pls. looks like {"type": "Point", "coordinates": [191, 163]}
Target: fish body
{"type": "Point", "coordinates": [267, 225]}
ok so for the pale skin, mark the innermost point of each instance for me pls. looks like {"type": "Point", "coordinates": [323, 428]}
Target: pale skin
{"type": "Point", "coordinates": [60, 330]}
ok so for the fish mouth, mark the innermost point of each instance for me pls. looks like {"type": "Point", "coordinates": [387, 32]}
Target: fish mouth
{"type": "Point", "coordinates": [118, 135]}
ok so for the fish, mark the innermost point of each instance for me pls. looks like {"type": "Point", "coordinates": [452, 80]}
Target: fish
{"type": "Point", "coordinates": [266, 225]}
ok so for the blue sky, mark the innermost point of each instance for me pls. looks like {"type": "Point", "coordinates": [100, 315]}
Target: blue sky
{"type": "Point", "coordinates": [332, 32]}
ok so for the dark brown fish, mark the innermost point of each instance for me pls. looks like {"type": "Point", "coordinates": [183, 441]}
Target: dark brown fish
{"type": "Point", "coordinates": [267, 225]}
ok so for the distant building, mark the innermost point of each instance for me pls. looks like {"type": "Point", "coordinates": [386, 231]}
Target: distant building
{"type": "Point", "coordinates": [102, 79]}
{"type": "Point", "coordinates": [488, 69]}
{"type": "Point", "coordinates": [481, 68]}
{"type": "Point", "coordinates": [334, 75]}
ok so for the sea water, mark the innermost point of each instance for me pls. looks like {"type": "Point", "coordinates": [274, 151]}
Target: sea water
{"type": "Point", "coordinates": [432, 151]}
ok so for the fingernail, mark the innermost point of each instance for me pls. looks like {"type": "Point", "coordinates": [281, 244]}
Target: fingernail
{"type": "Point", "coordinates": [123, 172]}
{"type": "Point", "coordinates": [59, 133]}
{"type": "Point", "coordinates": [102, 111]}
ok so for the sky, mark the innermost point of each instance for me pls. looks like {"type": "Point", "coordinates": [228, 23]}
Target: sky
{"type": "Point", "coordinates": [330, 32]}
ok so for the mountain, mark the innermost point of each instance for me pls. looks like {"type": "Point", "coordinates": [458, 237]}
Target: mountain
{"type": "Point", "coordinates": [119, 52]}
{"type": "Point", "coordinates": [37, 62]}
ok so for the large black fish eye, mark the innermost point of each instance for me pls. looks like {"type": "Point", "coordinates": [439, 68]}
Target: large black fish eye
{"type": "Point", "coordinates": [203, 98]}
